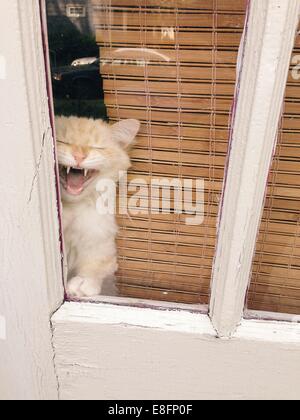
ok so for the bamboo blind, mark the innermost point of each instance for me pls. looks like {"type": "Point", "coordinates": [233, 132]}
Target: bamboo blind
{"type": "Point", "coordinates": [275, 282]}
{"type": "Point", "coordinates": [172, 65]}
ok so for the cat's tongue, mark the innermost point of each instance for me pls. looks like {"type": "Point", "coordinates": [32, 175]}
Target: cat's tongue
{"type": "Point", "coordinates": [75, 183]}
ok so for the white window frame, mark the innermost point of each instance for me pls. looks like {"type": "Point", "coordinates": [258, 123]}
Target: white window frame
{"type": "Point", "coordinates": [78, 355]}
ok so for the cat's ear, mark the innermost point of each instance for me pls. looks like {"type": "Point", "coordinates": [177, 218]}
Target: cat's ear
{"type": "Point", "coordinates": [124, 132]}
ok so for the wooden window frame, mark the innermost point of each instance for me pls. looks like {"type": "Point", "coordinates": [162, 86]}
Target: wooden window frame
{"type": "Point", "coordinates": [270, 34]}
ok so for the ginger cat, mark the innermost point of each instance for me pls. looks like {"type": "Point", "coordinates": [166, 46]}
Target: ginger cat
{"type": "Point", "coordinates": [88, 151]}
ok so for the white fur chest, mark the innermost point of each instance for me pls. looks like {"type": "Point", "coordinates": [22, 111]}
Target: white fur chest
{"type": "Point", "coordinates": [85, 230]}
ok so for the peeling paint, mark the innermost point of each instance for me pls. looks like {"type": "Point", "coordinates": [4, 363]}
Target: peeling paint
{"type": "Point", "coordinates": [38, 165]}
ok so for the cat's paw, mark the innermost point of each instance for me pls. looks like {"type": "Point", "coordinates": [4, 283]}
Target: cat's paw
{"type": "Point", "coordinates": [79, 287]}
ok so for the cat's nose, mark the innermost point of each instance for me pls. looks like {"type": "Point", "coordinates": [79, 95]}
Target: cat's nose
{"type": "Point", "coordinates": [79, 157]}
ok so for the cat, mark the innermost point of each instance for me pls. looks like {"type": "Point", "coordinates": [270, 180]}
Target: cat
{"type": "Point", "coordinates": [89, 151]}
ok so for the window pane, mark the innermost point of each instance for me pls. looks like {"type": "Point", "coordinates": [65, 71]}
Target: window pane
{"type": "Point", "coordinates": [172, 66]}
{"type": "Point", "coordinates": [74, 54]}
{"type": "Point", "coordinates": [275, 285]}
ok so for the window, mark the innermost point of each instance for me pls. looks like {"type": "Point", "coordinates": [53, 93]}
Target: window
{"type": "Point", "coordinates": [76, 11]}
{"type": "Point", "coordinates": [174, 70]}
{"type": "Point", "coordinates": [275, 285]}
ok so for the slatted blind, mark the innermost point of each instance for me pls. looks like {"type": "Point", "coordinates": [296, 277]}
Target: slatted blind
{"type": "Point", "coordinates": [275, 282]}
{"type": "Point", "coordinates": [172, 65]}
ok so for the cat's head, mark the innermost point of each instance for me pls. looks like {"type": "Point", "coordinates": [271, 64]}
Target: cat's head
{"type": "Point", "coordinates": [90, 150]}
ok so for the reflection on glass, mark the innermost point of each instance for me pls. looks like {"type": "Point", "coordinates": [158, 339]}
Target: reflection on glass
{"type": "Point", "coordinates": [75, 62]}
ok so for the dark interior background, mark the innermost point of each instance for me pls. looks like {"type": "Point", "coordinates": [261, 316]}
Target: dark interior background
{"type": "Point", "coordinates": [77, 90]}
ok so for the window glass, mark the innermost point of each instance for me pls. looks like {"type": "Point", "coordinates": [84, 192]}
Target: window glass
{"type": "Point", "coordinates": [172, 66]}
{"type": "Point", "coordinates": [275, 285]}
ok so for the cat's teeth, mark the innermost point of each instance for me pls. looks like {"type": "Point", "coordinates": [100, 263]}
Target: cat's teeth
{"type": "Point", "coordinates": [68, 170]}
{"type": "Point", "coordinates": [86, 172]}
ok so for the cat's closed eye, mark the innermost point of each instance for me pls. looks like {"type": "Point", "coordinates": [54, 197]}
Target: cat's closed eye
{"type": "Point", "coordinates": [91, 147]}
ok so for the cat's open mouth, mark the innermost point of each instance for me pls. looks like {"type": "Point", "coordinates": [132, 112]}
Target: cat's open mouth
{"type": "Point", "coordinates": [75, 180]}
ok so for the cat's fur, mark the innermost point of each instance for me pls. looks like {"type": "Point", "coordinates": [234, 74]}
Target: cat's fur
{"type": "Point", "coordinates": [90, 237]}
